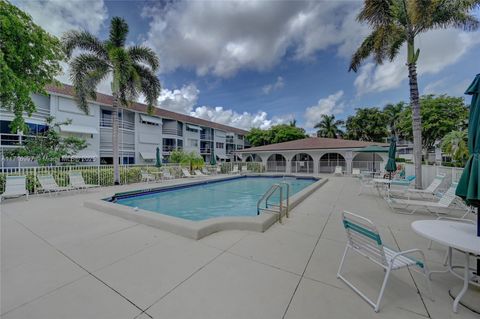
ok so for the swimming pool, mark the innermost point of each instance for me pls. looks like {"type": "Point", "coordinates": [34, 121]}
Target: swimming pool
{"type": "Point", "coordinates": [232, 197]}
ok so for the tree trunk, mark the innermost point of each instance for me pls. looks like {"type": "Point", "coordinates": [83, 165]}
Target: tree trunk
{"type": "Point", "coordinates": [416, 123]}
{"type": "Point", "coordinates": [116, 171]}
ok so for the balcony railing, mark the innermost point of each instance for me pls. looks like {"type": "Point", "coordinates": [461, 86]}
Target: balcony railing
{"type": "Point", "coordinates": [172, 131]}
{"type": "Point", "coordinates": [14, 139]}
{"type": "Point", "coordinates": [171, 148]}
{"type": "Point", "coordinates": [205, 150]}
{"type": "Point", "coordinates": [107, 122]}
{"type": "Point", "coordinates": [229, 140]}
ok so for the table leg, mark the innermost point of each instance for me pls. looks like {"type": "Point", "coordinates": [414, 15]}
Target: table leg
{"type": "Point", "coordinates": [465, 283]}
{"type": "Point", "coordinates": [448, 264]}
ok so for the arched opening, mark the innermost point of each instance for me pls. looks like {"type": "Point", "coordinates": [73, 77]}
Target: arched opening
{"type": "Point", "coordinates": [329, 161]}
{"type": "Point", "coordinates": [370, 162]}
{"type": "Point", "coordinates": [302, 163]}
{"type": "Point", "coordinates": [276, 163]}
{"type": "Point", "coordinates": [253, 158]}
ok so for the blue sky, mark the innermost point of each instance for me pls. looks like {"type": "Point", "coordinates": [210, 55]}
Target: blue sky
{"type": "Point", "coordinates": [258, 63]}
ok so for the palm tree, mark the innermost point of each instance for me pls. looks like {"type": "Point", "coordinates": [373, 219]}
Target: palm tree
{"type": "Point", "coordinates": [393, 113]}
{"type": "Point", "coordinates": [329, 127]}
{"type": "Point", "coordinates": [132, 70]}
{"type": "Point", "coordinates": [455, 145]}
{"type": "Point", "coordinates": [395, 22]}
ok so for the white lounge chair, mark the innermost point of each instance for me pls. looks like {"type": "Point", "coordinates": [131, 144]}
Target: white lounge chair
{"type": "Point", "coordinates": [338, 171]}
{"type": "Point", "coordinates": [199, 173]}
{"type": "Point", "coordinates": [364, 239]}
{"type": "Point", "coordinates": [186, 173]}
{"type": "Point", "coordinates": [235, 170]}
{"type": "Point", "coordinates": [356, 172]}
{"type": "Point", "coordinates": [77, 181]}
{"type": "Point", "coordinates": [441, 206]}
{"type": "Point", "coordinates": [15, 186]}
{"type": "Point", "coordinates": [166, 174]}
{"type": "Point", "coordinates": [218, 170]}
{"type": "Point", "coordinates": [205, 171]}
{"type": "Point", "coordinates": [147, 177]}
{"type": "Point", "coordinates": [49, 185]}
{"type": "Point", "coordinates": [428, 192]}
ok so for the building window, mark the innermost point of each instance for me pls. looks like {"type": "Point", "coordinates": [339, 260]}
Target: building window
{"type": "Point", "coordinates": [219, 145]}
{"type": "Point", "coordinates": [191, 129]}
{"type": "Point", "coordinates": [148, 123]}
{"type": "Point", "coordinates": [192, 142]}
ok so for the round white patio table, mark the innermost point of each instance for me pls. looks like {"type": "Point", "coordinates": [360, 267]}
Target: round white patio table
{"type": "Point", "coordinates": [454, 235]}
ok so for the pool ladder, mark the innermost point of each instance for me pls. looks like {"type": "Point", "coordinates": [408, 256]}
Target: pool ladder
{"type": "Point", "coordinates": [283, 206]}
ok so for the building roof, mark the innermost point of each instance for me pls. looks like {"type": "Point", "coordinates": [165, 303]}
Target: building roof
{"type": "Point", "coordinates": [311, 143]}
{"type": "Point", "coordinates": [68, 90]}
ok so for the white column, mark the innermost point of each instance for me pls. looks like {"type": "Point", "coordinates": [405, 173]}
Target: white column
{"type": "Point", "coordinates": [348, 161]}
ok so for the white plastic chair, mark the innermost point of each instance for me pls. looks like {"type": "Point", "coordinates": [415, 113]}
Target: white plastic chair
{"type": "Point", "coordinates": [205, 171]}
{"type": "Point", "coordinates": [218, 170]}
{"type": "Point", "coordinates": [15, 186]}
{"type": "Point", "coordinates": [199, 173]}
{"type": "Point", "coordinates": [186, 173]}
{"type": "Point", "coordinates": [166, 174]}
{"type": "Point", "coordinates": [235, 170]}
{"type": "Point", "coordinates": [364, 239]}
{"type": "Point", "coordinates": [338, 171]}
{"type": "Point", "coordinates": [147, 177]}
{"type": "Point", "coordinates": [446, 200]}
{"type": "Point", "coordinates": [245, 169]}
{"type": "Point", "coordinates": [366, 182]}
{"type": "Point", "coordinates": [49, 185]}
{"type": "Point", "coordinates": [77, 181]}
{"type": "Point", "coordinates": [356, 172]}
{"type": "Point", "coordinates": [430, 191]}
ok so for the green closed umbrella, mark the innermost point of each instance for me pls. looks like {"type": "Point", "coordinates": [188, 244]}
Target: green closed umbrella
{"type": "Point", "coordinates": [213, 160]}
{"type": "Point", "coordinates": [158, 161]}
{"type": "Point", "coordinates": [391, 165]}
{"type": "Point", "coordinates": [373, 149]}
{"type": "Point", "coordinates": [469, 184]}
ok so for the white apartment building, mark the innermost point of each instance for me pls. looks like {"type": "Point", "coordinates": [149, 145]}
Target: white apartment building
{"type": "Point", "coordinates": [139, 134]}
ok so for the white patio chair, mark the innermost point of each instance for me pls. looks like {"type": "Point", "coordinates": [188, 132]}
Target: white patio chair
{"type": "Point", "coordinates": [77, 181]}
{"type": "Point", "coordinates": [199, 173]}
{"type": "Point", "coordinates": [218, 170]}
{"type": "Point", "coordinates": [205, 171]}
{"type": "Point", "coordinates": [430, 191]}
{"type": "Point", "coordinates": [338, 171]}
{"type": "Point", "coordinates": [366, 182]}
{"type": "Point", "coordinates": [15, 186]}
{"type": "Point", "coordinates": [356, 172]}
{"type": "Point", "coordinates": [364, 239]}
{"type": "Point", "coordinates": [186, 173]}
{"type": "Point", "coordinates": [235, 170]}
{"type": "Point", "coordinates": [167, 175]}
{"type": "Point", "coordinates": [445, 203]}
{"type": "Point", "coordinates": [147, 177]}
{"type": "Point", "coordinates": [49, 185]}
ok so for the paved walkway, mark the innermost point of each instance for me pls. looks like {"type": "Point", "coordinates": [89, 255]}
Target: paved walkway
{"type": "Point", "coordinates": [62, 260]}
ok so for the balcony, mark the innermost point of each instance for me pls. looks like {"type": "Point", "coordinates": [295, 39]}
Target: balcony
{"type": "Point", "coordinates": [229, 140]}
{"type": "Point", "coordinates": [206, 137]}
{"type": "Point", "coordinates": [172, 131]}
{"type": "Point", "coordinates": [107, 122]}
{"type": "Point", "coordinates": [13, 140]}
{"type": "Point", "coordinates": [206, 150]}
{"type": "Point", "coordinates": [171, 148]}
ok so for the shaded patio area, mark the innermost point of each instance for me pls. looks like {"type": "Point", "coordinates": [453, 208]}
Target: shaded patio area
{"type": "Point", "coordinates": [62, 260]}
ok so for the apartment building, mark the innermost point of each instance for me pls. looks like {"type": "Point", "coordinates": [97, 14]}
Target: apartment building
{"type": "Point", "coordinates": [139, 133]}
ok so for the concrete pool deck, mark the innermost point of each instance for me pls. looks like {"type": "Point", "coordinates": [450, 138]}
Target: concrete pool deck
{"type": "Point", "coordinates": [60, 259]}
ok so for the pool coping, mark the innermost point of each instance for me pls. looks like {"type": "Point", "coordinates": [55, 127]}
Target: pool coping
{"type": "Point", "coordinates": [199, 229]}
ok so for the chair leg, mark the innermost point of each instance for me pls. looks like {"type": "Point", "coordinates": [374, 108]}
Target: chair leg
{"type": "Point", "coordinates": [382, 290]}
{"type": "Point", "coordinates": [339, 272]}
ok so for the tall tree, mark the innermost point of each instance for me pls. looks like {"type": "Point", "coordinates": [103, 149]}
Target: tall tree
{"type": "Point", "coordinates": [393, 114]}
{"type": "Point", "coordinates": [276, 134]}
{"type": "Point", "coordinates": [29, 59]}
{"type": "Point", "coordinates": [440, 115]}
{"type": "Point", "coordinates": [367, 124]}
{"type": "Point", "coordinates": [132, 70]}
{"type": "Point", "coordinates": [395, 22]}
{"type": "Point", "coordinates": [329, 127]}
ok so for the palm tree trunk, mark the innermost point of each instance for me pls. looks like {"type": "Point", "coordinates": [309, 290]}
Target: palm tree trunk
{"type": "Point", "coordinates": [416, 123]}
{"type": "Point", "coordinates": [116, 171]}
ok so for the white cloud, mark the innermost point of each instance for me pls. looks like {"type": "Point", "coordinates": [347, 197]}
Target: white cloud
{"type": "Point", "coordinates": [278, 84]}
{"type": "Point", "coordinates": [332, 104]}
{"type": "Point", "coordinates": [222, 37]}
{"type": "Point", "coordinates": [183, 100]}
{"type": "Point", "coordinates": [58, 16]}
{"type": "Point", "coordinates": [438, 49]}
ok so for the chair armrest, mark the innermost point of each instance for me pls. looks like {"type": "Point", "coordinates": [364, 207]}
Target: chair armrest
{"type": "Point", "coordinates": [411, 251]}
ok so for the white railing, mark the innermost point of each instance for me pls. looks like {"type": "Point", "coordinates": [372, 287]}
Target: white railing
{"type": "Point", "coordinates": [107, 122]}
{"type": "Point", "coordinates": [253, 167]}
{"type": "Point", "coordinates": [14, 139]}
{"type": "Point", "coordinates": [172, 131]}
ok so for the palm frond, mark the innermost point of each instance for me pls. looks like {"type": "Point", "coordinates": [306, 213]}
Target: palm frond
{"type": "Point", "coordinates": [86, 72]}
{"type": "Point", "coordinates": [149, 84]}
{"type": "Point", "coordinates": [363, 52]}
{"type": "Point", "coordinates": [145, 55]}
{"type": "Point", "coordinates": [376, 12]}
{"type": "Point", "coordinates": [118, 32]}
{"type": "Point", "coordinates": [83, 40]}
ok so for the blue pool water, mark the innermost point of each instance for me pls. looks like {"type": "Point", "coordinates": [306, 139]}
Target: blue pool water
{"type": "Point", "coordinates": [233, 197]}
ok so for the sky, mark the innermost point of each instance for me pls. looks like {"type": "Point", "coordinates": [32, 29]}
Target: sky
{"type": "Point", "coordinates": [257, 63]}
